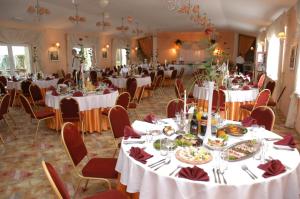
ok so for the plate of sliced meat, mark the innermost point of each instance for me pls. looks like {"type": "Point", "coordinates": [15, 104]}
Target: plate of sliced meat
{"type": "Point", "coordinates": [242, 150]}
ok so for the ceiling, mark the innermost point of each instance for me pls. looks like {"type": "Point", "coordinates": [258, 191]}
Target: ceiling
{"type": "Point", "coordinates": [247, 16]}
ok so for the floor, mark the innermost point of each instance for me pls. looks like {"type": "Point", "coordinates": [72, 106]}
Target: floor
{"type": "Point", "coordinates": [21, 172]}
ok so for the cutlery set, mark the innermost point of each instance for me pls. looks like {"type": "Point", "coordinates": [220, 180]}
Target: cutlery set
{"type": "Point", "coordinates": [157, 165]}
{"type": "Point", "coordinates": [217, 173]}
{"type": "Point", "coordinates": [250, 173]}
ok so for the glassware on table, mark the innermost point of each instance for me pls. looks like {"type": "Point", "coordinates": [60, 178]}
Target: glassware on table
{"type": "Point", "coordinates": [148, 136]}
{"type": "Point", "coordinates": [178, 117]}
{"type": "Point", "coordinates": [224, 155]}
{"type": "Point", "coordinates": [163, 147]}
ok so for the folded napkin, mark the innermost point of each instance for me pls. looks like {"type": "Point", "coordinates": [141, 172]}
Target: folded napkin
{"type": "Point", "coordinates": [272, 168]}
{"type": "Point", "coordinates": [51, 88]}
{"type": "Point", "coordinates": [287, 140]}
{"type": "Point", "coordinates": [246, 88]}
{"type": "Point", "coordinates": [150, 118]}
{"type": "Point", "coordinates": [129, 132]}
{"type": "Point", "coordinates": [78, 94]}
{"type": "Point", "coordinates": [106, 91]}
{"type": "Point", "coordinates": [55, 93]}
{"type": "Point", "coordinates": [193, 173]}
{"type": "Point", "coordinates": [234, 81]}
{"type": "Point", "coordinates": [139, 154]}
{"type": "Point", "coordinates": [249, 121]}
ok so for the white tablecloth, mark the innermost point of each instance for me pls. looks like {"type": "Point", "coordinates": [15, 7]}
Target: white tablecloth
{"type": "Point", "coordinates": [231, 95]}
{"type": "Point", "coordinates": [88, 102]}
{"type": "Point", "coordinates": [120, 82]}
{"type": "Point", "coordinates": [188, 70]}
{"type": "Point", "coordinates": [40, 83]}
{"type": "Point", "coordinates": [158, 184]}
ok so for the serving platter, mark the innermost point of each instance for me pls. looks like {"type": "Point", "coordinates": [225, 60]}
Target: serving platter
{"type": "Point", "coordinates": [233, 129]}
{"type": "Point", "coordinates": [193, 155]}
{"type": "Point", "coordinates": [241, 150]}
{"type": "Point", "coordinates": [215, 143]}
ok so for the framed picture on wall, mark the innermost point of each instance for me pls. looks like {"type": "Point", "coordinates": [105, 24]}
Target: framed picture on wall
{"type": "Point", "coordinates": [53, 55]}
{"type": "Point", "coordinates": [293, 57]}
{"type": "Point", "coordinates": [104, 54]}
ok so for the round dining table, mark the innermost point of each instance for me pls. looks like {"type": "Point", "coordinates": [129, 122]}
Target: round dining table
{"type": "Point", "coordinates": [234, 99]}
{"type": "Point", "coordinates": [90, 106]}
{"type": "Point", "coordinates": [138, 180]}
{"type": "Point", "coordinates": [43, 84]}
{"type": "Point", "coordinates": [120, 82]}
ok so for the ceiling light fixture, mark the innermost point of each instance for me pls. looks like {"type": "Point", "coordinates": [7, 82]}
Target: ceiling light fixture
{"type": "Point", "coordinates": [137, 31]}
{"type": "Point", "coordinates": [103, 3]}
{"type": "Point", "coordinates": [103, 23]}
{"type": "Point", "coordinates": [38, 10]}
{"type": "Point", "coordinates": [122, 28]}
{"type": "Point", "coordinates": [76, 18]}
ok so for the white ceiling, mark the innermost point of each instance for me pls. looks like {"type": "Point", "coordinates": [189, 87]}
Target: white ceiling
{"type": "Point", "coordinates": [246, 16]}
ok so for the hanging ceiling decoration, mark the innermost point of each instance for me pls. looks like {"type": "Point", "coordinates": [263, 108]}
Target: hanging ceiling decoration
{"type": "Point", "coordinates": [192, 9]}
{"type": "Point", "coordinates": [137, 31]}
{"type": "Point", "coordinates": [38, 10]}
{"type": "Point", "coordinates": [76, 18]}
{"type": "Point", "coordinates": [103, 3]}
{"type": "Point", "coordinates": [103, 23]}
{"type": "Point", "coordinates": [122, 28]}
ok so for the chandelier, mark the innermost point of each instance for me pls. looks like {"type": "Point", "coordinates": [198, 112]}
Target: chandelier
{"type": "Point", "coordinates": [76, 18]}
{"type": "Point", "coordinates": [192, 9]}
{"type": "Point", "coordinates": [137, 31]}
{"type": "Point", "coordinates": [103, 23]}
{"type": "Point", "coordinates": [122, 28]}
{"type": "Point", "coordinates": [38, 10]}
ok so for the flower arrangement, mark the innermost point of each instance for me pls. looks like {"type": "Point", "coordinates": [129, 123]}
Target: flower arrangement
{"type": "Point", "coordinates": [81, 55]}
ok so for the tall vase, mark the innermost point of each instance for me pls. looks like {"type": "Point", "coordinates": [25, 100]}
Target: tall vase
{"type": "Point", "coordinates": [210, 98]}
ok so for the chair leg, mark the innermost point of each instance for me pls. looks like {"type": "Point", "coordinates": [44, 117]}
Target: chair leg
{"type": "Point", "coordinates": [86, 184]}
{"type": "Point", "coordinates": [2, 139]}
{"type": "Point", "coordinates": [82, 130]}
{"type": "Point", "coordinates": [36, 131]}
{"type": "Point", "coordinates": [77, 188]}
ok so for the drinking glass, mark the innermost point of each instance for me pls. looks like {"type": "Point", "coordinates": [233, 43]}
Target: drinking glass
{"type": "Point", "coordinates": [148, 136]}
{"type": "Point", "coordinates": [177, 114]}
{"type": "Point", "coordinates": [224, 155]}
{"type": "Point", "coordinates": [163, 147]}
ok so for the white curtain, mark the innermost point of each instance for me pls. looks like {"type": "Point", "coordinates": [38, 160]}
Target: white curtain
{"type": "Point", "coordinates": [118, 43]}
{"type": "Point", "coordinates": [24, 37]}
{"type": "Point", "coordinates": [73, 39]}
{"type": "Point", "coordinates": [273, 57]}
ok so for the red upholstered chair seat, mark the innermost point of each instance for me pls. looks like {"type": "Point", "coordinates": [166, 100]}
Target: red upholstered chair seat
{"type": "Point", "coordinates": [132, 105]}
{"type": "Point", "coordinates": [112, 194]}
{"type": "Point", "coordinates": [100, 167]}
{"type": "Point", "coordinates": [247, 107]}
{"type": "Point", "coordinates": [271, 102]}
{"type": "Point", "coordinates": [44, 113]}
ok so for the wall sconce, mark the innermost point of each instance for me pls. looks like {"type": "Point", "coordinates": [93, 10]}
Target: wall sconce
{"type": "Point", "coordinates": [173, 50]}
{"type": "Point", "coordinates": [56, 45]}
{"type": "Point", "coordinates": [136, 48]}
{"type": "Point", "coordinates": [281, 35]}
{"type": "Point", "coordinates": [107, 46]}
{"type": "Point", "coordinates": [104, 49]}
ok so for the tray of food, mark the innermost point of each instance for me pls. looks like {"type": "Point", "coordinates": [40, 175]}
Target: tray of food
{"type": "Point", "coordinates": [168, 130]}
{"type": "Point", "coordinates": [188, 140]}
{"type": "Point", "coordinates": [232, 129]}
{"type": "Point", "coordinates": [241, 150]}
{"type": "Point", "coordinates": [215, 143]}
{"type": "Point", "coordinates": [193, 155]}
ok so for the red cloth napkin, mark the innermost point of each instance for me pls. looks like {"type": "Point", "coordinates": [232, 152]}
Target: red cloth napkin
{"type": "Point", "coordinates": [234, 81]}
{"type": "Point", "coordinates": [139, 154]}
{"type": "Point", "coordinates": [130, 132]}
{"type": "Point", "coordinates": [78, 94]}
{"type": "Point", "coordinates": [150, 118]}
{"type": "Point", "coordinates": [249, 121]}
{"type": "Point", "coordinates": [55, 93]}
{"type": "Point", "coordinates": [193, 173]}
{"type": "Point", "coordinates": [287, 140]}
{"type": "Point", "coordinates": [246, 88]}
{"type": "Point", "coordinates": [106, 91]}
{"type": "Point", "coordinates": [272, 168]}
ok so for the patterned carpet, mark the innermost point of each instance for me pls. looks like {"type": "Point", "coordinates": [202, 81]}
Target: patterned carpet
{"type": "Point", "coordinates": [21, 172]}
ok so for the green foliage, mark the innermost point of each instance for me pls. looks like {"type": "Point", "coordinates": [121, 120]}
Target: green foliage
{"type": "Point", "coordinates": [20, 61]}
{"type": "Point", "coordinates": [4, 62]}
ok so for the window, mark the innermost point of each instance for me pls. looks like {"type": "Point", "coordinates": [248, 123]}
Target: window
{"type": "Point", "coordinates": [273, 58]}
{"type": "Point", "coordinates": [14, 59]}
{"type": "Point", "coordinates": [297, 86]}
{"type": "Point", "coordinates": [121, 57]}
{"type": "Point", "coordinates": [88, 54]}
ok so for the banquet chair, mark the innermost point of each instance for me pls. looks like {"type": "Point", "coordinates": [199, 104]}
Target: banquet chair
{"type": "Point", "coordinates": [62, 192]}
{"type": "Point", "coordinates": [95, 168]}
{"type": "Point", "coordinates": [272, 103]}
{"type": "Point", "coordinates": [93, 76]}
{"type": "Point", "coordinates": [39, 115]}
{"type": "Point", "coordinates": [261, 81]}
{"type": "Point", "coordinates": [222, 103]}
{"type": "Point", "coordinates": [122, 100]}
{"type": "Point", "coordinates": [118, 118]}
{"type": "Point", "coordinates": [134, 104]}
{"type": "Point", "coordinates": [4, 109]}
{"type": "Point", "coordinates": [180, 75]}
{"type": "Point", "coordinates": [261, 100]}
{"type": "Point", "coordinates": [265, 116]}
{"type": "Point", "coordinates": [25, 88]}
{"type": "Point", "coordinates": [152, 76]}
{"type": "Point", "coordinates": [171, 80]}
{"type": "Point", "coordinates": [271, 86]}
{"type": "Point", "coordinates": [70, 112]}
{"type": "Point", "coordinates": [173, 106]}
{"type": "Point", "coordinates": [179, 91]}
{"type": "Point", "coordinates": [2, 88]}
{"type": "Point", "coordinates": [3, 80]}
{"type": "Point", "coordinates": [131, 86]}
{"type": "Point", "coordinates": [36, 95]}
{"type": "Point", "coordinates": [215, 101]}
{"type": "Point", "coordinates": [61, 80]}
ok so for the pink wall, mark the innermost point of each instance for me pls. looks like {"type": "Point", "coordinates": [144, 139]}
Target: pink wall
{"type": "Point", "coordinates": [167, 48]}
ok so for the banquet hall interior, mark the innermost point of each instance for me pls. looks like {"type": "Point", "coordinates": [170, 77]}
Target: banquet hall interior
{"type": "Point", "coordinates": [155, 99]}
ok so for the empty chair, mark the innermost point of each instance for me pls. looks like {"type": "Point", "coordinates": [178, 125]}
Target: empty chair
{"type": "Point", "coordinates": [3, 80]}
{"type": "Point", "coordinates": [36, 95]}
{"type": "Point", "coordinates": [152, 76]}
{"type": "Point", "coordinates": [271, 86]}
{"type": "Point", "coordinates": [161, 72]}
{"type": "Point", "coordinates": [134, 104]}
{"type": "Point", "coordinates": [272, 102]}
{"type": "Point", "coordinates": [39, 115]}
{"type": "Point", "coordinates": [155, 85]}
{"type": "Point", "coordinates": [222, 103]}
{"type": "Point", "coordinates": [69, 109]}
{"type": "Point", "coordinates": [215, 101]}
{"type": "Point", "coordinates": [261, 100]}
{"type": "Point", "coordinates": [122, 100]}
{"type": "Point", "coordinates": [170, 80]}
{"type": "Point", "coordinates": [261, 81]}
{"type": "Point", "coordinates": [93, 76]}
{"type": "Point", "coordinates": [95, 168]}
{"type": "Point", "coordinates": [118, 119]}
{"type": "Point", "coordinates": [25, 88]}
{"type": "Point", "coordinates": [264, 116]}
{"type": "Point", "coordinates": [2, 88]}
{"type": "Point", "coordinates": [131, 87]}
{"type": "Point", "coordinates": [4, 108]}
{"type": "Point", "coordinates": [174, 106]}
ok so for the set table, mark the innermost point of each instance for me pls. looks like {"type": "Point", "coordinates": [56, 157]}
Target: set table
{"type": "Point", "coordinates": [90, 106]}
{"type": "Point", "coordinates": [120, 82]}
{"type": "Point", "coordinates": [143, 182]}
{"type": "Point", "coordinates": [44, 84]}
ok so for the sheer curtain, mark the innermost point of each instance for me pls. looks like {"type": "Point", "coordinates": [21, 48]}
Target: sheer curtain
{"type": "Point", "coordinates": [273, 57]}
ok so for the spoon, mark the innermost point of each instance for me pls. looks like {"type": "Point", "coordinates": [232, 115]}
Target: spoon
{"type": "Point", "coordinates": [222, 174]}
{"type": "Point", "coordinates": [245, 168]}
{"type": "Point", "coordinates": [178, 167]}
{"type": "Point", "coordinates": [167, 161]}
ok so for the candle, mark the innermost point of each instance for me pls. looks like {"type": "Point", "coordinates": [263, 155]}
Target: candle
{"type": "Point", "coordinates": [165, 62]}
{"type": "Point", "coordinates": [76, 77]}
{"type": "Point", "coordinates": [184, 104]}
